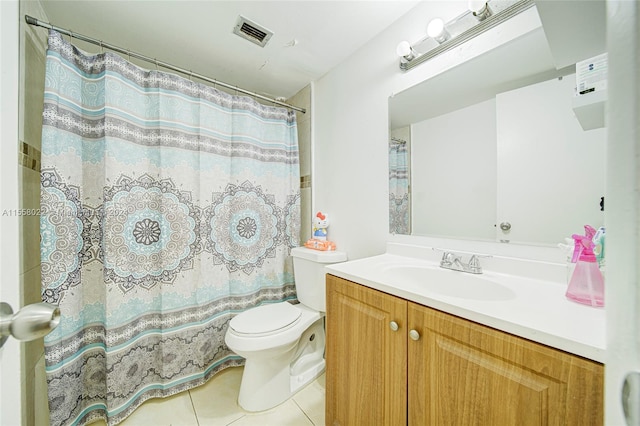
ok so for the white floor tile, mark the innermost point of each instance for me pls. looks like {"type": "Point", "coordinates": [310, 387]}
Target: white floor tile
{"type": "Point", "coordinates": [286, 414]}
{"type": "Point", "coordinates": [215, 402]}
{"type": "Point", "coordinates": [311, 400]}
{"type": "Point", "coordinates": [175, 410]}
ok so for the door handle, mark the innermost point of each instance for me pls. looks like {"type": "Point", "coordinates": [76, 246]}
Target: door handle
{"type": "Point", "coordinates": [631, 398]}
{"type": "Point", "coordinates": [29, 323]}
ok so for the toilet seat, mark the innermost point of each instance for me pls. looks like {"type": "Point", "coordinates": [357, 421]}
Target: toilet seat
{"type": "Point", "coordinates": [266, 320]}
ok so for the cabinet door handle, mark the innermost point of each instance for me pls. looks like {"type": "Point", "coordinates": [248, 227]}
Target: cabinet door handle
{"type": "Point", "coordinates": [394, 326]}
{"type": "Point", "coordinates": [414, 335]}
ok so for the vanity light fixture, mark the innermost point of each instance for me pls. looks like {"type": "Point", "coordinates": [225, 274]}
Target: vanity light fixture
{"type": "Point", "coordinates": [442, 36]}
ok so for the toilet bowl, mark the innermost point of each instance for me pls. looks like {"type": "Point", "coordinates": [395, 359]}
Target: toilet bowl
{"type": "Point", "coordinates": [283, 343]}
{"type": "Point", "coordinates": [267, 379]}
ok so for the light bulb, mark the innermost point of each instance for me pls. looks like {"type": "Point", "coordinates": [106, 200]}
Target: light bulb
{"type": "Point", "coordinates": [405, 51]}
{"type": "Point", "coordinates": [437, 31]}
{"type": "Point", "coordinates": [480, 9]}
{"type": "Point", "coordinates": [404, 48]}
{"type": "Point", "coordinates": [476, 5]}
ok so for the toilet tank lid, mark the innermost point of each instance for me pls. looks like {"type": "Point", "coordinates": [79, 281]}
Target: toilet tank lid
{"type": "Point", "coordinates": [319, 256]}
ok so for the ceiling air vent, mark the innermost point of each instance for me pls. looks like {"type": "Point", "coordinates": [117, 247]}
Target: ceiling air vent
{"type": "Point", "coordinates": [251, 31]}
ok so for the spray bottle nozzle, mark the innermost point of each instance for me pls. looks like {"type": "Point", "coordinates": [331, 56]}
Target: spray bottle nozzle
{"type": "Point", "coordinates": [583, 248]}
{"type": "Point", "coordinates": [584, 245]}
{"type": "Point", "coordinates": [589, 231]}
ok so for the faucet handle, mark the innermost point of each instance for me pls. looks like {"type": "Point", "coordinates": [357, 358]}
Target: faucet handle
{"type": "Point", "coordinates": [448, 258]}
{"type": "Point", "coordinates": [474, 263]}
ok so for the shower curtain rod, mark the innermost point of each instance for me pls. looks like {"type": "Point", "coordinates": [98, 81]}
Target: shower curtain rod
{"type": "Point", "coordinates": [33, 21]}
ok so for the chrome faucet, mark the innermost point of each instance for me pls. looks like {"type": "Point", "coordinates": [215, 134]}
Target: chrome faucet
{"type": "Point", "coordinates": [454, 262]}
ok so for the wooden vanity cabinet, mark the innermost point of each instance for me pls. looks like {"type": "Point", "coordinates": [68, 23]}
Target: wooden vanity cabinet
{"type": "Point", "coordinates": [457, 372]}
{"type": "Point", "coordinates": [366, 362]}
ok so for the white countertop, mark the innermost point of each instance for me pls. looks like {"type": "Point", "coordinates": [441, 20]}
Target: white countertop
{"type": "Point", "coordinates": [536, 309]}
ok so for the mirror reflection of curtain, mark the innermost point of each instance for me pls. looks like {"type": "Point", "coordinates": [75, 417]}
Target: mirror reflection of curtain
{"type": "Point", "coordinates": [399, 205]}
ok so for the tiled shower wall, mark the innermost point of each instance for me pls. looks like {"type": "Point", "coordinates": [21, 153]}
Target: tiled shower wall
{"type": "Point", "coordinates": [303, 99]}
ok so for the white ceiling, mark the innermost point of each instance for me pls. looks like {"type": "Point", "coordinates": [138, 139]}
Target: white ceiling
{"type": "Point", "coordinates": [197, 35]}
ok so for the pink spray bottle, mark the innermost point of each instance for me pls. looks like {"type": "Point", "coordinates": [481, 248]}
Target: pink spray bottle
{"type": "Point", "coordinates": [587, 284]}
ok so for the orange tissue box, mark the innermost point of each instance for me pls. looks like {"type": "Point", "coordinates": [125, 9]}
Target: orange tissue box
{"type": "Point", "coordinates": [320, 245]}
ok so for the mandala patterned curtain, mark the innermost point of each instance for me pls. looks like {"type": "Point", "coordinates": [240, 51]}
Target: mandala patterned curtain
{"type": "Point", "coordinates": [167, 207]}
{"type": "Point", "coordinates": [399, 203]}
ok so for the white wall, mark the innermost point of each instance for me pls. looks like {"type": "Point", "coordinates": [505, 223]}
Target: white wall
{"type": "Point", "coordinates": [351, 122]}
{"type": "Point", "coordinates": [454, 184]}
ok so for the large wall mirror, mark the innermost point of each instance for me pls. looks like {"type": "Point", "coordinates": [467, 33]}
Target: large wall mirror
{"type": "Point", "coordinates": [491, 150]}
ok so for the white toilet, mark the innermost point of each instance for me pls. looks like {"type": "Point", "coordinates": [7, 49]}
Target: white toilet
{"type": "Point", "coordinates": [283, 344]}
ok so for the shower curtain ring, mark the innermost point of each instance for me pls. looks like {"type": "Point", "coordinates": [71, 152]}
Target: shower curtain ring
{"type": "Point", "coordinates": [129, 54]}
{"type": "Point", "coordinates": [156, 61]}
{"type": "Point", "coordinates": [190, 75]}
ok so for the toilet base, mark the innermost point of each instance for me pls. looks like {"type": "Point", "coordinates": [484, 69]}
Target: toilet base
{"type": "Point", "coordinates": [265, 384]}
{"type": "Point", "coordinates": [270, 382]}
{"type": "Point", "coordinates": [277, 389]}
{"type": "Point", "coordinates": [300, 380]}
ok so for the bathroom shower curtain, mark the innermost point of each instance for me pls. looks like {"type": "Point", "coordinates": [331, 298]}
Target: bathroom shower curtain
{"type": "Point", "coordinates": [399, 204]}
{"type": "Point", "coordinates": [167, 206]}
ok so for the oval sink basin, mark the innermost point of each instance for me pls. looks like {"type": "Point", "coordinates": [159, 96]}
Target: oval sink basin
{"type": "Point", "coordinates": [448, 283]}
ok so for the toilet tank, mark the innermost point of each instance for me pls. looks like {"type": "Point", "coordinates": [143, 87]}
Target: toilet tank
{"type": "Point", "coordinates": [308, 269]}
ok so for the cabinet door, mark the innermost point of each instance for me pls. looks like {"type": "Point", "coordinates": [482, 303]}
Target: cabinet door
{"type": "Point", "coordinates": [366, 360]}
{"type": "Point", "coordinates": [463, 373]}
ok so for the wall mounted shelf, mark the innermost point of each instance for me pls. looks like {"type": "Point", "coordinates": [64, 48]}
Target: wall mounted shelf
{"type": "Point", "coordinates": [590, 109]}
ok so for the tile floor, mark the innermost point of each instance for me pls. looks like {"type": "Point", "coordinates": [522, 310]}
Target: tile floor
{"type": "Point", "coordinates": [215, 404]}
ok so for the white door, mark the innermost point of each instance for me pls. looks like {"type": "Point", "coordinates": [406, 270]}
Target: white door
{"type": "Point", "coordinates": [622, 211]}
{"type": "Point", "coordinates": [10, 376]}
{"type": "Point", "coordinates": [540, 144]}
